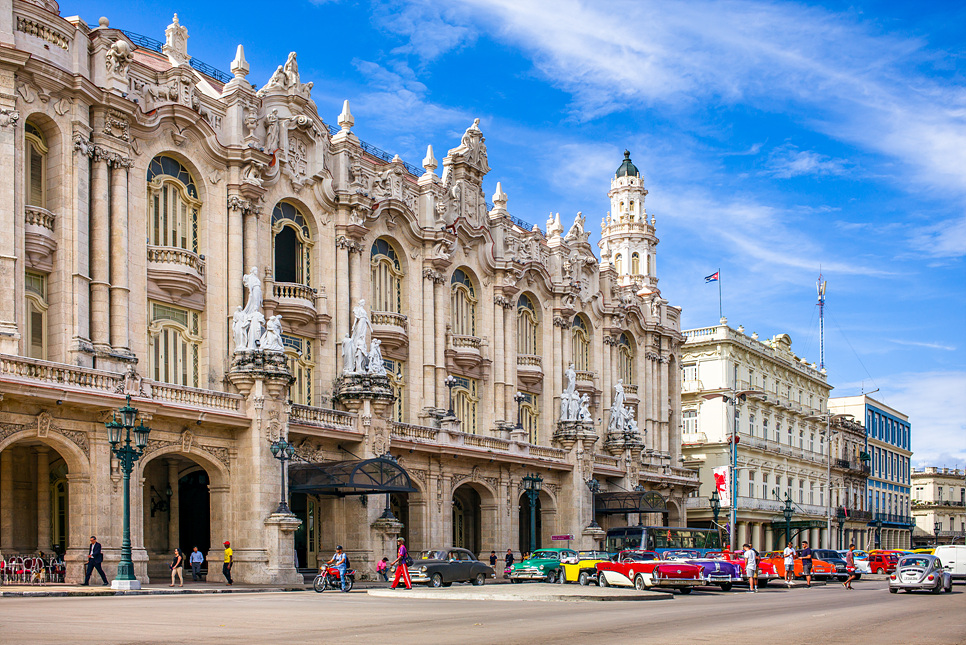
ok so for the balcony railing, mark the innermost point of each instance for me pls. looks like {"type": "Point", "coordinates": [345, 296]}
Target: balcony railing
{"type": "Point", "coordinates": [851, 514]}
{"type": "Point", "coordinates": [892, 518]}
{"type": "Point", "coordinates": [585, 375]}
{"type": "Point", "coordinates": [38, 216]}
{"type": "Point", "coordinates": [418, 434]}
{"type": "Point", "coordinates": [308, 415]}
{"type": "Point", "coordinates": [293, 290]}
{"type": "Point", "coordinates": [472, 342]}
{"type": "Point", "coordinates": [390, 318]}
{"type": "Point", "coordinates": [174, 255]}
{"type": "Point", "coordinates": [533, 360]}
{"type": "Point", "coordinates": [937, 502]}
{"type": "Point", "coordinates": [196, 397]}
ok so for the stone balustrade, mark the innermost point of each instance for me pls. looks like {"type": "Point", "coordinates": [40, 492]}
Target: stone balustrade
{"type": "Point", "coordinates": [37, 216]}
{"type": "Point", "coordinates": [174, 255]}
{"type": "Point", "coordinates": [534, 360]}
{"type": "Point", "coordinates": [439, 436]}
{"type": "Point", "coordinates": [390, 318]}
{"type": "Point", "coordinates": [60, 374]}
{"type": "Point", "coordinates": [196, 396]}
{"type": "Point", "coordinates": [472, 342]}
{"type": "Point", "coordinates": [416, 433]}
{"type": "Point", "coordinates": [308, 415]}
{"type": "Point", "coordinates": [293, 290]}
{"type": "Point", "coordinates": [607, 460]}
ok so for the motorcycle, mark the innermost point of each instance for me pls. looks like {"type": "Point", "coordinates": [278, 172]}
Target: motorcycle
{"type": "Point", "coordinates": [328, 578]}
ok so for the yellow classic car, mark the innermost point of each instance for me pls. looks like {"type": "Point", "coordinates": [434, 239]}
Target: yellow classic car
{"type": "Point", "coordinates": [584, 570]}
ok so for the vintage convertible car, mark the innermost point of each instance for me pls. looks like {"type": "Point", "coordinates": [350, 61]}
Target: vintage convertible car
{"type": "Point", "coordinates": [920, 571]}
{"type": "Point", "coordinates": [443, 567]}
{"type": "Point", "coordinates": [820, 568]}
{"type": "Point", "coordinates": [766, 570]}
{"type": "Point", "coordinates": [544, 565]}
{"type": "Point", "coordinates": [584, 572]}
{"type": "Point", "coordinates": [715, 571]}
{"type": "Point", "coordinates": [643, 570]}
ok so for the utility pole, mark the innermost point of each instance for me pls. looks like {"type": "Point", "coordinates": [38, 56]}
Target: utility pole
{"type": "Point", "coordinates": [820, 287]}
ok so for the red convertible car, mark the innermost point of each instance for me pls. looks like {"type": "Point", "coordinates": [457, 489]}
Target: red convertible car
{"type": "Point", "coordinates": [644, 570]}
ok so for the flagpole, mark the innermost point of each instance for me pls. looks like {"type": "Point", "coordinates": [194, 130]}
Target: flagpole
{"type": "Point", "coordinates": [720, 311]}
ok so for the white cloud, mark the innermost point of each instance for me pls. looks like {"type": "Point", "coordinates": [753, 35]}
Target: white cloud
{"type": "Point", "coordinates": [913, 343]}
{"type": "Point", "coordinates": [787, 161]}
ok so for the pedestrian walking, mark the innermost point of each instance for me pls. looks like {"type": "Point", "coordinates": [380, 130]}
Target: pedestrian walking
{"type": "Point", "coordinates": [402, 563]}
{"type": "Point", "coordinates": [789, 555]}
{"type": "Point", "coordinates": [850, 567]}
{"type": "Point", "coordinates": [195, 560]}
{"type": "Point", "coordinates": [806, 556]}
{"type": "Point", "coordinates": [493, 559]}
{"type": "Point", "coordinates": [382, 568]}
{"type": "Point", "coordinates": [177, 568]}
{"type": "Point", "coordinates": [751, 568]}
{"type": "Point", "coordinates": [229, 561]}
{"type": "Point", "coordinates": [341, 564]}
{"type": "Point", "coordinates": [94, 560]}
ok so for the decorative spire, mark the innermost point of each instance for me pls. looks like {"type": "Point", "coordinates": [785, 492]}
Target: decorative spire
{"type": "Point", "coordinates": [176, 43]}
{"type": "Point", "coordinates": [346, 120]}
{"type": "Point", "coordinates": [429, 161]}
{"type": "Point", "coordinates": [239, 66]}
{"type": "Point", "coordinates": [499, 198]}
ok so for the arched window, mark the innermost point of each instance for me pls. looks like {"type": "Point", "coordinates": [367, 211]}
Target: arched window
{"type": "Point", "coordinates": [625, 360]}
{"type": "Point", "coordinates": [619, 264]}
{"type": "Point", "coordinates": [174, 344]}
{"type": "Point", "coordinates": [529, 416]}
{"type": "Point", "coordinates": [173, 205]}
{"type": "Point", "coordinates": [396, 370]}
{"type": "Point", "coordinates": [527, 326]}
{"type": "Point", "coordinates": [635, 264]}
{"type": "Point", "coordinates": [36, 295]}
{"type": "Point", "coordinates": [59, 493]}
{"type": "Point", "coordinates": [465, 402]}
{"type": "Point", "coordinates": [292, 242]}
{"type": "Point", "coordinates": [463, 304]}
{"type": "Point", "coordinates": [580, 338]}
{"type": "Point", "coordinates": [35, 173]}
{"type": "Point", "coordinates": [301, 360]}
{"type": "Point", "coordinates": [386, 277]}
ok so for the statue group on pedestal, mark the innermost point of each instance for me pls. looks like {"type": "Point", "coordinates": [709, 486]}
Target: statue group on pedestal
{"type": "Point", "coordinates": [573, 406]}
{"type": "Point", "coordinates": [358, 355]}
{"type": "Point", "coordinates": [250, 330]}
{"type": "Point", "coordinates": [621, 418]}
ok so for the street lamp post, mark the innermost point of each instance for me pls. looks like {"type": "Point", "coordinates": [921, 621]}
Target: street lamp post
{"type": "Point", "coordinates": [936, 526]}
{"type": "Point", "coordinates": [127, 455]}
{"type": "Point", "coordinates": [387, 513]}
{"type": "Point", "coordinates": [788, 511]}
{"type": "Point", "coordinates": [878, 532]}
{"type": "Point", "coordinates": [450, 382]}
{"type": "Point", "coordinates": [531, 486]}
{"type": "Point", "coordinates": [715, 502]}
{"type": "Point", "coordinates": [594, 487]}
{"type": "Point", "coordinates": [283, 451]}
{"type": "Point", "coordinates": [519, 398]}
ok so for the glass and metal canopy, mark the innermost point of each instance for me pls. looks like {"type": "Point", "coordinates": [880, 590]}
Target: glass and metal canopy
{"type": "Point", "coordinates": [354, 477]}
{"type": "Point", "coordinates": [630, 502]}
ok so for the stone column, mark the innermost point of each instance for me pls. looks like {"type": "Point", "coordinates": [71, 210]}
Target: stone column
{"type": "Point", "coordinates": [120, 288]}
{"type": "Point", "coordinates": [500, 362]}
{"type": "Point", "coordinates": [174, 509]}
{"type": "Point", "coordinates": [250, 251]}
{"type": "Point", "coordinates": [440, 296]}
{"type": "Point", "coordinates": [429, 339]}
{"type": "Point", "coordinates": [355, 274]}
{"type": "Point", "coordinates": [343, 307]}
{"type": "Point", "coordinates": [236, 253]}
{"type": "Point", "coordinates": [510, 360]}
{"type": "Point", "coordinates": [6, 500]}
{"type": "Point", "coordinates": [219, 501]}
{"type": "Point", "coordinates": [10, 212]}
{"type": "Point", "coordinates": [100, 259]}
{"type": "Point", "coordinates": [742, 535]}
{"type": "Point", "coordinates": [43, 498]}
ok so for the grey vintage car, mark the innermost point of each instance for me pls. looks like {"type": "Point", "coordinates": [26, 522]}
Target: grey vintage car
{"type": "Point", "coordinates": [920, 571]}
{"type": "Point", "coordinates": [443, 567]}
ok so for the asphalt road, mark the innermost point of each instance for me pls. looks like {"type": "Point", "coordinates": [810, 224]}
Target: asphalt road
{"type": "Point", "coordinates": [825, 615]}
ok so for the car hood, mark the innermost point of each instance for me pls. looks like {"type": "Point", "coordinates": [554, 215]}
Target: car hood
{"type": "Point", "coordinates": [536, 563]}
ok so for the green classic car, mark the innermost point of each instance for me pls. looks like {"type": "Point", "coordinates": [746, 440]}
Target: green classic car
{"type": "Point", "coordinates": [545, 565]}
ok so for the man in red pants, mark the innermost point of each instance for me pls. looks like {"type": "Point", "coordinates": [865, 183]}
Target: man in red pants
{"type": "Point", "coordinates": [402, 565]}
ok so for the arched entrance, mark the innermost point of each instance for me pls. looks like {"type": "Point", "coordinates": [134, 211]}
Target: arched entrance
{"type": "Point", "coordinates": [467, 518]}
{"type": "Point", "coordinates": [399, 505]}
{"type": "Point", "coordinates": [544, 517]}
{"type": "Point", "coordinates": [34, 500]}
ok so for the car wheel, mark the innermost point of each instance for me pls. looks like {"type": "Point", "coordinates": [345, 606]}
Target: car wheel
{"type": "Point", "coordinates": [319, 584]}
{"type": "Point", "coordinates": [727, 586]}
{"type": "Point", "coordinates": [685, 590]}
{"type": "Point", "coordinates": [857, 576]}
{"type": "Point", "coordinates": [601, 580]}
{"type": "Point", "coordinates": [583, 579]}
{"type": "Point", "coordinates": [763, 583]}
{"type": "Point", "coordinates": [938, 589]}
{"type": "Point", "coordinates": [436, 580]}
{"type": "Point", "coordinates": [551, 577]}
{"type": "Point", "coordinates": [514, 581]}
{"type": "Point", "coordinates": [561, 576]}
{"type": "Point", "coordinates": [639, 583]}
{"type": "Point", "coordinates": [880, 571]}
{"type": "Point", "coordinates": [893, 590]}
{"type": "Point", "coordinates": [479, 580]}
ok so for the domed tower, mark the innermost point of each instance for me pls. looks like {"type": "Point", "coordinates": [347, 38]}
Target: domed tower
{"type": "Point", "coordinates": [627, 240]}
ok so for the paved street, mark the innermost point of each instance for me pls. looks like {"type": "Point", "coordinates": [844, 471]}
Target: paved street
{"type": "Point", "coordinates": [819, 615]}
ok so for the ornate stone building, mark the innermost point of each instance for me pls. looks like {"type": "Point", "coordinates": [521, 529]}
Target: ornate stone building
{"type": "Point", "coordinates": [139, 185]}
{"type": "Point", "coordinates": [939, 506]}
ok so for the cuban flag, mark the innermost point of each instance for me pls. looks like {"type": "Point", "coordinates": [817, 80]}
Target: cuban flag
{"type": "Point", "coordinates": [712, 278]}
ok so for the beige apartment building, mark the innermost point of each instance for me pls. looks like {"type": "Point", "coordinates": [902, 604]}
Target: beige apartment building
{"type": "Point", "coordinates": [939, 506]}
{"type": "Point", "coordinates": [139, 186]}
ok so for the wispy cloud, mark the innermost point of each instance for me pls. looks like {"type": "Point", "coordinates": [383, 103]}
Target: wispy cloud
{"type": "Point", "coordinates": [913, 343]}
{"type": "Point", "coordinates": [788, 161]}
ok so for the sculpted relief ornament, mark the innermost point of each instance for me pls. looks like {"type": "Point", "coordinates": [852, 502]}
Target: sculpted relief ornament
{"type": "Point", "coordinates": [359, 356]}
{"type": "Point", "coordinates": [119, 58]}
{"type": "Point", "coordinates": [286, 80]}
{"type": "Point", "coordinates": [574, 406]}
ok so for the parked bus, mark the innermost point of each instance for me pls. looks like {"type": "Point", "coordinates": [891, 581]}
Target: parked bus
{"type": "Point", "coordinates": [661, 538]}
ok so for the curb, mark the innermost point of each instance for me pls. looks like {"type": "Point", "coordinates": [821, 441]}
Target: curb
{"type": "Point", "coordinates": [429, 594]}
{"type": "Point", "coordinates": [141, 592]}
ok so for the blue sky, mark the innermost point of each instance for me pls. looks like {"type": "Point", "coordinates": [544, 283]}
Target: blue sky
{"type": "Point", "coordinates": [775, 139]}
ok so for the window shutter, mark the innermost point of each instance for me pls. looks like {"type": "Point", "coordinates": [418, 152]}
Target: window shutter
{"type": "Point", "coordinates": [36, 180]}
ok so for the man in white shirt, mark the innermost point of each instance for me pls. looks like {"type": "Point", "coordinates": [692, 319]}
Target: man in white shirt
{"type": "Point", "coordinates": [751, 568]}
{"type": "Point", "coordinates": [789, 555]}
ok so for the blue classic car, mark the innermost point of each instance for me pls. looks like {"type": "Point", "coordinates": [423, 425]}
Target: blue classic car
{"type": "Point", "coordinates": [720, 573]}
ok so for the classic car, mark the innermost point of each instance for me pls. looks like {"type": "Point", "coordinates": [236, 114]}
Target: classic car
{"type": "Point", "coordinates": [820, 568]}
{"type": "Point", "coordinates": [443, 567]}
{"type": "Point", "coordinates": [543, 565]}
{"type": "Point", "coordinates": [883, 561]}
{"type": "Point", "coordinates": [920, 571]}
{"type": "Point", "coordinates": [834, 558]}
{"type": "Point", "coordinates": [644, 570]}
{"type": "Point", "coordinates": [766, 570]}
{"type": "Point", "coordinates": [861, 559]}
{"type": "Point", "coordinates": [584, 571]}
{"type": "Point", "coordinates": [715, 571]}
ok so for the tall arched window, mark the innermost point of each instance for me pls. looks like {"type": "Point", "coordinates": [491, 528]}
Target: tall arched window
{"type": "Point", "coordinates": [625, 360]}
{"type": "Point", "coordinates": [527, 326]}
{"type": "Point", "coordinates": [292, 241]}
{"type": "Point", "coordinates": [465, 402]}
{"type": "Point", "coordinates": [619, 264]}
{"type": "Point", "coordinates": [386, 277]}
{"type": "Point", "coordinates": [463, 304]}
{"type": "Point", "coordinates": [530, 416]}
{"type": "Point", "coordinates": [173, 205]}
{"type": "Point", "coordinates": [175, 343]}
{"type": "Point", "coordinates": [580, 339]}
{"type": "Point", "coordinates": [635, 264]}
{"type": "Point", "coordinates": [35, 173]}
{"type": "Point", "coordinates": [36, 295]}
{"type": "Point", "coordinates": [301, 361]}
{"type": "Point", "coordinates": [396, 370]}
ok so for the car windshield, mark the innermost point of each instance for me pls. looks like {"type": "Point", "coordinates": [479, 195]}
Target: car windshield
{"type": "Point", "coordinates": [593, 555]}
{"type": "Point", "coordinates": [680, 555]}
{"type": "Point", "coordinates": [433, 555]}
{"type": "Point", "coordinates": [922, 563]}
{"type": "Point", "coordinates": [545, 555]}
{"type": "Point", "coordinates": [637, 557]}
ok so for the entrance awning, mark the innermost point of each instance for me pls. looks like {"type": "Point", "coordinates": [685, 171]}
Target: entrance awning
{"type": "Point", "coordinates": [630, 502]}
{"type": "Point", "coordinates": [355, 477]}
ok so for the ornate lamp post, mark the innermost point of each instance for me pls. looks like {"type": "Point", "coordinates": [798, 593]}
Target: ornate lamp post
{"type": "Point", "coordinates": [878, 532]}
{"type": "Point", "coordinates": [127, 455]}
{"type": "Point", "coordinates": [387, 513]}
{"type": "Point", "coordinates": [519, 398]}
{"type": "Point", "coordinates": [715, 501]}
{"type": "Point", "coordinates": [788, 511]}
{"type": "Point", "coordinates": [450, 382]}
{"type": "Point", "coordinates": [594, 487]}
{"type": "Point", "coordinates": [283, 451]}
{"type": "Point", "coordinates": [531, 486]}
{"type": "Point", "coordinates": [936, 527]}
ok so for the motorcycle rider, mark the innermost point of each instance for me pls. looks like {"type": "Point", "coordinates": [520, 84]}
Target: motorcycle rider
{"type": "Point", "coordinates": [340, 562]}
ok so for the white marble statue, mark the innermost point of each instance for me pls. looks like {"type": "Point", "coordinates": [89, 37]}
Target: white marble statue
{"type": "Point", "coordinates": [571, 375]}
{"type": "Point", "coordinates": [360, 332]}
{"type": "Point", "coordinates": [348, 354]}
{"type": "Point", "coordinates": [618, 412]}
{"type": "Point", "coordinates": [254, 286]}
{"type": "Point", "coordinates": [377, 366]}
{"type": "Point", "coordinates": [238, 328]}
{"type": "Point", "coordinates": [271, 340]}
{"type": "Point", "coordinates": [584, 414]}
{"type": "Point", "coordinates": [254, 330]}
{"type": "Point", "coordinates": [570, 400]}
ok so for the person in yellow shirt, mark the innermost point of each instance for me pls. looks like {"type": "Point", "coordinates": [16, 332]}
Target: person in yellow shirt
{"type": "Point", "coordinates": [226, 567]}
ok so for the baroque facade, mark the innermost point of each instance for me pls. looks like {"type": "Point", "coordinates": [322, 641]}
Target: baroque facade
{"type": "Point", "coordinates": [939, 506]}
{"type": "Point", "coordinates": [140, 185]}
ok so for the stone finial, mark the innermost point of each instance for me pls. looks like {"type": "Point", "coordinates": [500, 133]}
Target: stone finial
{"type": "Point", "coordinates": [176, 42]}
{"type": "Point", "coordinates": [499, 197]}
{"type": "Point", "coordinates": [103, 22]}
{"type": "Point", "coordinates": [239, 66]}
{"type": "Point", "coordinates": [396, 159]}
{"type": "Point", "coordinates": [346, 120]}
{"type": "Point", "coordinates": [429, 162]}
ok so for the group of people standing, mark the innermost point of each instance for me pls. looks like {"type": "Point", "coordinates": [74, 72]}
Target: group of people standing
{"type": "Point", "coordinates": [789, 554]}
{"type": "Point", "coordinates": [196, 558]}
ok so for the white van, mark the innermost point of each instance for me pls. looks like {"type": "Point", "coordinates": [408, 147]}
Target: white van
{"type": "Point", "coordinates": [953, 558]}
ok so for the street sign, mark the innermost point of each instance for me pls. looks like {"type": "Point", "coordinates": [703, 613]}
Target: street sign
{"type": "Point", "coordinates": [561, 538]}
